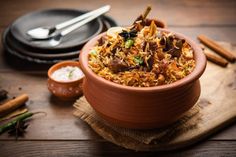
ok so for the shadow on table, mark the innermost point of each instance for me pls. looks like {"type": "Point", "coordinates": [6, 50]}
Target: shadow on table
{"type": "Point", "coordinates": [210, 147]}
{"type": "Point", "coordinates": [55, 102]}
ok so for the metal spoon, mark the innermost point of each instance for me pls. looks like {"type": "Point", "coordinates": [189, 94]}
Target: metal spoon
{"type": "Point", "coordinates": [56, 39]}
{"type": "Point", "coordinates": [42, 33]}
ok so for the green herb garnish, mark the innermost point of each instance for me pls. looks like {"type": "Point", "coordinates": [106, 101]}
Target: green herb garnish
{"type": "Point", "coordinates": [129, 43]}
{"type": "Point", "coordinates": [93, 52]}
{"type": "Point", "coordinates": [138, 60]}
{"type": "Point", "coordinates": [70, 74]}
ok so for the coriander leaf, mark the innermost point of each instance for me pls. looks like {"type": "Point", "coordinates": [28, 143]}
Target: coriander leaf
{"type": "Point", "coordinates": [138, 60]}
{"type": "Point", "coordinates": [129, 43]}
{"type": "Point", "coordinates": [93, 52]}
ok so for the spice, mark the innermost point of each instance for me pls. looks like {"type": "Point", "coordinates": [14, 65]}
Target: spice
{"type": "Point", "coordinates": [128, 34]}
{"type": "Point", "coordinates": [15, 113]}
{"type": "Point", "coordinates": [18, 129]}
{"type": "Point", "coordinates": [217, 48]}
{"type": "Point", "coordinates": [67, 74]}
{"type": "Point", "coordinates": [13, 123]}
{"type": "Point", "coordinates": [3, 94]}
{"type": "Point", "coordinates": [141, 21]}
{"type": "Point", "coordinates": [215, 59]}
{"type": "Point", "coordinates": [18, 125]}
{"type": "Point", "coordinates": [147, 11]}
{"type": "Point", "coordinates": [13, 104]}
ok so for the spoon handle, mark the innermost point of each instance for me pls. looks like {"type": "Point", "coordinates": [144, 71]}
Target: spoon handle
{"type": "Point", "coordinates": [79, 24]}
{"type": "Point", "coordinates": [81, 17]}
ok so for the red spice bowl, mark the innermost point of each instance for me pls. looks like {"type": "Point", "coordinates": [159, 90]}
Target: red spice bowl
{"type": "Point", "coordinates": [142, 107]}
{"type": "Point", "coordinates": [65, 90]}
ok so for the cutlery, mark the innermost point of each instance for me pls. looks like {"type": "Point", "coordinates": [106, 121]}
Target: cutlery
{"type": "Point", "coordinates": [42, 33]}
{"type": "Point", "coordinates": [56, 39]}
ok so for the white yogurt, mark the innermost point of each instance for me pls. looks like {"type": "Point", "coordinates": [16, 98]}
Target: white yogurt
{"type": "Point", "coordinates": [67, 74]}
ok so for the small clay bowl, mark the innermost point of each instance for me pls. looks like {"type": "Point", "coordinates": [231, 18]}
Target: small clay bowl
{"type": "Point", "coordinates": [142, 107]}
{"type": "Point", "coordinates": [65, 90]}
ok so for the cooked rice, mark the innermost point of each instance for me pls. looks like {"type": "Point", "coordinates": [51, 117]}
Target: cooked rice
{"type": "Point", "coordinates": [146, 63]}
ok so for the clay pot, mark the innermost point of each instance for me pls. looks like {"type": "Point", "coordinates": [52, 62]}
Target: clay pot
{"type": "Point", "coordinates": [65, 90]}
{"type": "Point", "coordinates": [142, 107]}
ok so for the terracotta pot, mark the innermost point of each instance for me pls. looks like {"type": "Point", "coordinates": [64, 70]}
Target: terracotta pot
{"type": "Point", "coordinates": [65, 90]}
{"type": "Point", "coordinates": [142, 107]}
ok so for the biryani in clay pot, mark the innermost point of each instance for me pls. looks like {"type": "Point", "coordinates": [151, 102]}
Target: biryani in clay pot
{"type": "Point", "coordinates": [141, 76]}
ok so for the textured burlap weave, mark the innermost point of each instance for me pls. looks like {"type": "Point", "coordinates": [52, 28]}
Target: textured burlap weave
{"type": "Point", "coordinates": [131, 138]}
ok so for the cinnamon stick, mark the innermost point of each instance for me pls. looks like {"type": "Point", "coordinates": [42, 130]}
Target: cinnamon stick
{"type": "Point", "coordinates": [217, 48]}
{"type": "Point", "coordinates": [148, 9]}
{"type": "Point", "coordinates": [13, 104]}
{"type": "Point", "coordinates": [215, 59]}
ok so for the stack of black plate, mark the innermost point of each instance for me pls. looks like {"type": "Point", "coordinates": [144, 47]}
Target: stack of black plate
{"type": "Point", "coordinates": [17, 43]}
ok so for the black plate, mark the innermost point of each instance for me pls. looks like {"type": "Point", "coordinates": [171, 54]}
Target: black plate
{"type": "Point", "coordinates": [17, 54]}
{"type": "Point", "coordinates": [15, 45]}
{"type": "Point", "coordinates": [31, 59]}
{"type": "Point", "coordinates": [17, 49]}
{"type": "Point", "coordinates": [52, 17]}
{"type": "Point", "coordinates": [59, 54]}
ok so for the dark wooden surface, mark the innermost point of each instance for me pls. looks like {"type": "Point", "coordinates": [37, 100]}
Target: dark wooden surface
{"type": "Point", "coordinates": [62, 134]}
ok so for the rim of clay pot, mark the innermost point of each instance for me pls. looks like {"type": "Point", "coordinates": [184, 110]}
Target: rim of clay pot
{"type": "Point", "coordinates": [63, 64]}
{"type": "Point", "coordinates": [200, 65]}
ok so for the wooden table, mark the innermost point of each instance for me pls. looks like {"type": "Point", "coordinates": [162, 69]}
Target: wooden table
{"type": "Point", "coordinates": [62, 134]}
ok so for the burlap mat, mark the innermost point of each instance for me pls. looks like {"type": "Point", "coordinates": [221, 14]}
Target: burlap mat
{"type": "Point", "coordinates": [131, 138]}
{"type": "Point", "coordinates": [163, 138]}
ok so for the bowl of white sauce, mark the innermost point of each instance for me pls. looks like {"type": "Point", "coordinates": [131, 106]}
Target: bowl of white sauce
{"type": "Point", "coordinates": [65, 80]}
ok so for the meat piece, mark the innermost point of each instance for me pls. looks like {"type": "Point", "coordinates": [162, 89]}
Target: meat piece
{"type": "Point", "coordinates": [152, 50]}
{"type": "Point", "coordinates": [101, 41]}
{"type": "Point", "coordinates": [163, 40]}
{"type": "Point", "coordinates": [169, 43]}
{"type": "Point", "coordinates": [176, 50]}
{"type": "Point", "coordinates": [117, 65]}
{"type": "Point", "coordinates": [150, 62]}
{"type": "Point", "coordinates": [160, 55]}
{"type": "Point", "coordinates": [180, 43]}
{"type": "Point", "coordinates": [143, 45]}
{"type": "Point", "coordinates": [153, 46]}
{"type": "Point", "coordinates": [133, 67]}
